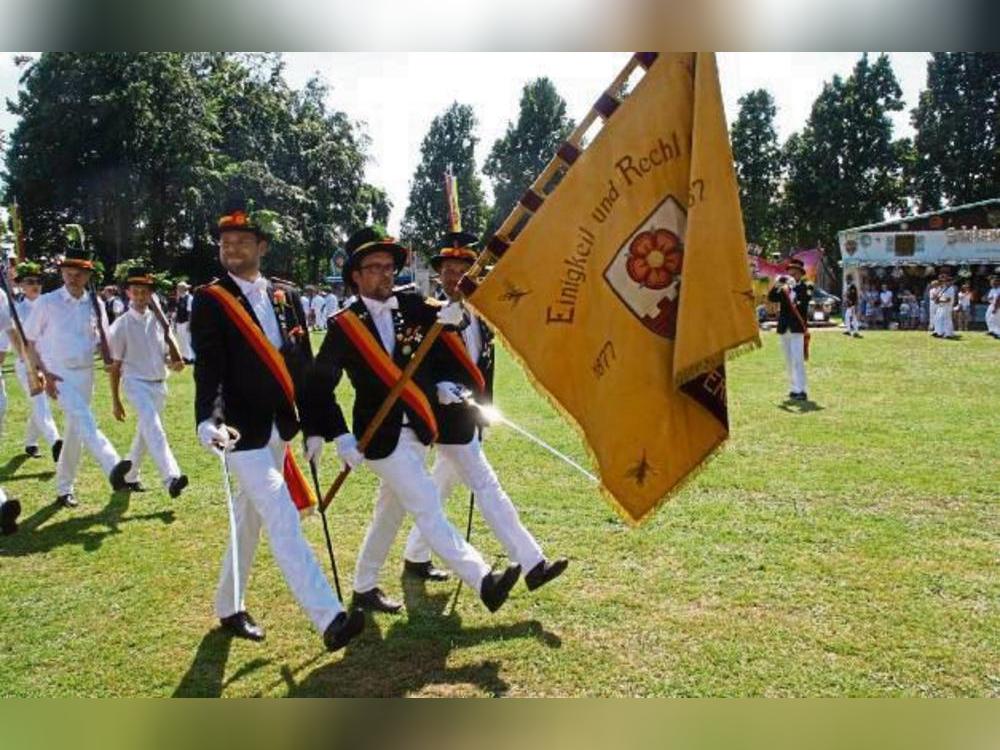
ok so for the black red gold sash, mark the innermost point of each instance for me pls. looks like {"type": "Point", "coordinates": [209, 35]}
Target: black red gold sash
{"type": "Point", "coordinates": [457, 347]}
{"type": "Point", "coordinates": [802, 322]}
{"type": "Point", "coordinates": [383, 367]}
{"type": "Point", "coordinates": [300, 490]}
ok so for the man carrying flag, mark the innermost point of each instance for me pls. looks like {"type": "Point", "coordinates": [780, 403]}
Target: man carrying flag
{"type": "Point", "coordinates": [627, 283]}
{"type": "Point", "coordinates": [460, 457]}
{"type": "Point", "coordinates": [373, 339]}
{"type": "Point", "coordinates": [252, 352]}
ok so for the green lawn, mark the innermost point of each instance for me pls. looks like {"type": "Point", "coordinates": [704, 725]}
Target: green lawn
{"type": "Point", "coordinates": [847, 549]}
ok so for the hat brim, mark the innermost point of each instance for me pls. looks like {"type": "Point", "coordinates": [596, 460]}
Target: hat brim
{"type": "Point", "coordinates": [218, 231]}
{"type": "Point", "coordinates": [438, 259]}
{"type": "Point", "coordinates": [400, 256]}
{"type": "Point", "coordinates": [85, 265]}
{"type": "Point", "coordinates": [140, 281]}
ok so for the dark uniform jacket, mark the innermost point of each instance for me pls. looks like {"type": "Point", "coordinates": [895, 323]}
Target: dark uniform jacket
{"type": "Point", "coordinates": [232, 383]}
{"type": "Point", "coordinates": [322, 414]}
{"type": "Point", "coordinates": [457, 423]}
{"type": "Point", "coordinates": [182, 312]}
{"type": "Point", "coordinates": [787, 320]}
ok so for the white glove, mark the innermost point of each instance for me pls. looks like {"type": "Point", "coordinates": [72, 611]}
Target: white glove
{"type": "Point", "coordinates": [449, 393]}
{"type": "Point", "coordinates": [212, 435]}
{"type": "Point", "coordinates": [347, 450]}
{"type": "Point", "coordinates": [452, 314]}
{"type": "Point", "coordinates": [313, 448]}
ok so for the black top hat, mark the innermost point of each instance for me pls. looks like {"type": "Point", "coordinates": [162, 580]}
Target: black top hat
{"type": "Point", "coordinates": [369, 240]}
{"type": "Point", "coordinates": [140, 275]}
{"type": "Point", "coordinates": [455, 246]}
{"type": "Point", "coordinates": [76, 257]}
{"type": "Point", "coordinates": [27, 270]}
{"type": "Point", "coordinates": [795, 263]}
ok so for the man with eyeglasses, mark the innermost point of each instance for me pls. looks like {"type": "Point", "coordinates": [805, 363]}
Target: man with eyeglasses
{"type": "Point", "coordinates": [373, 340]}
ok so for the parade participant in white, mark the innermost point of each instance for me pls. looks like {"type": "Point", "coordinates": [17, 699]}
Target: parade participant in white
{"type": "Point", "coordinates": [139, 353]}
{"type": "Point", "coordinates": [793, 296]}
{"type": "Point", "coordinates": [235, 386]}
{"type": "Point", "coordinates": [385, 327]}
{"type": "Point", "coordinates": [460, 456]}
{"type": "Point", "coordinates": [944, 302]}
{"type": "Point", "coordinates": [40, 423]}
{"type": "Point", "coordinates": [63, 331]}
{"type": "Point", "coordinates": [319, 310]}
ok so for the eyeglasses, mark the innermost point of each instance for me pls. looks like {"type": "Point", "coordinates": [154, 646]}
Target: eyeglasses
{"type": "Point", "coordinates": [379, 268]}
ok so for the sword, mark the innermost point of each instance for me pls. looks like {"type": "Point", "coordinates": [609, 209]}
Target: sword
{"type": "Point", "coordinates": [326, 530]}
{"type": "Point", "coordinates": [223, 453]}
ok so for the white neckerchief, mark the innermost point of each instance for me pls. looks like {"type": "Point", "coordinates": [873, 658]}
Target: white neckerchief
{"type": "Point", "coordinates": [256, 293]}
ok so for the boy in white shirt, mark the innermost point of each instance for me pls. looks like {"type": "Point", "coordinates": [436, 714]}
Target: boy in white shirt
{"type": "Point", "coordinates": [140, 353]}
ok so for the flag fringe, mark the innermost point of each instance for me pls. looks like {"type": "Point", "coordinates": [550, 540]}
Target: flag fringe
{"type": "Point", "coordinates": [710, 363]}
{"type": "Point", "coordinates": [605, 493]}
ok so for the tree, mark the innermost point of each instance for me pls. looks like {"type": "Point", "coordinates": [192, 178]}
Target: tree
{"type": "Point", "coordinates": [757, 157]}
{"type": "Point", "coordinates": [450, 142]}
{"type": "Point", "coordinates": [526, 148]}
{"type": "Point", "coordinates": [957, 143]}
{"type": "Point", "coordinates": [844, 169]}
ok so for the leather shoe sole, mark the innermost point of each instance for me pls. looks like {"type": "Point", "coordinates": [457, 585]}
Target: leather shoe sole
{"type": "Point", "coordinates": [496, 587]}
{"type": "Point", "coordinates": [343, 629]}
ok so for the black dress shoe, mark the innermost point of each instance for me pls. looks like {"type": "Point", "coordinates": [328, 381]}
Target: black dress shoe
{"type": "Point", "coordinates": [9, 512]}
{"type": "Point", "coordinates": [544, 572]}
{"type": "Point", "coordinates": [375, 600]}
{"type": "Point", "coordinates": [496, 586]}
{"type": "Point", "coordinates": [343, 629]}
{"type": "Point", "coordinates": [425, 571]}
{"type": "Point", "coordinates": [67, 500]}
{"type": "Point", "coordinates": [242, 625]}
{"type": "Point", "coordinates": [117, 475]}
{"type": "Point", "coordinates": [56, 450]}
{"type": "Point", "coordinates": [803, 396]}
{"type": "Point", "coordinates": [31, 451]}
{"type": "Point", "coordinates": [177, 485]}
{"type": "Point", "coordinates": [135, 486]}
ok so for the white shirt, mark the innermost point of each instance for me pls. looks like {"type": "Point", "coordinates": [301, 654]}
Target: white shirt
{"type": "Point", "coordinates": [319, 308]}
{"type": "Point", "coordinates": [256, 293]}
{"type": "Point", "coordinates": [473, 338]}
{"type": "Point", "coordinates": [381, 313]}
{"type": "Point", "coordinates": [332, 305]}
{"type": "Point", "coordinates": [137, 342]}
{"type": "Point", "coordinates": [886, 298]}
{"type": "Point", "coordinates": [64, 330]}
{"type": "Point", "coordinates": [992, 294]}
{"type": "Point", "coordinates": [117, 306]}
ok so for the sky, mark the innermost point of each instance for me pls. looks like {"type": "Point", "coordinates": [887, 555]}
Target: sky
{"type": "Point", "coordinates": [396, 95]}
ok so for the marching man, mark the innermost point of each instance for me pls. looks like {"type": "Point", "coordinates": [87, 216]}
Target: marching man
{"type": "Point", "coordinates": [139, 353]}
{"type": "Point", "coordinates": [64, 329]}
{"type": "Point", "coordinates": [182, 320]}
{"type": "Point", "coordinates": [993, 308]}
{"type": "Point", "coordinates": [460, 456]}
{"type": "Point", "coordinates": [793, 294]}
{"type": "Point", "coordinates": [373, 340]}
{"type": "Point", "coordinates": [251, 354]}
{"type": "Point", "coordinates": [40, 421]}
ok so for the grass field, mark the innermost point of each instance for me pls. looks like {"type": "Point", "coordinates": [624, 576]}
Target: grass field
{"type": "Point", "coordinates": [846, 548]}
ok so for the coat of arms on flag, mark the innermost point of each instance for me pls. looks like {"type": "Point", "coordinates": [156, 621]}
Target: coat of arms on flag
{"type": "Point", "coordinates": [626, 285]}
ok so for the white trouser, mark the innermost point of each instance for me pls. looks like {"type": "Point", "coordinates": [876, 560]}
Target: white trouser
{"type": "Point", "coordinates": [263, 500]}
{"type": "Point", "coordinates": [3, 403]}
{"type": "Point", "coordinates": [992, 320]}
{"type": "Point", "coordinates": [467, 464]}
{"type": "Point", "coordinates": [148, 397]}
{"type": "Point", "coordinates": [793, 345]}
{"type": "Point", "coordinates": [40, 421]}
{"type": "Point", "coordinates": [851, 319]}
{"type": "Point", "coordinates": [75, 391]}
{"type": "Point", "coordinates": [184, 340]}
{"type": "Point", "coordinates": [932, 317]}
{"type": "Point", "coordinates": [406, 487]}
{"type": "Point", "coordinates": [943, 323]}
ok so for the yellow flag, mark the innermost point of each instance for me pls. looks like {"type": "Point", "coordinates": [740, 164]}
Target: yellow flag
{"type": "Point", "coordinates": [627, 287]}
